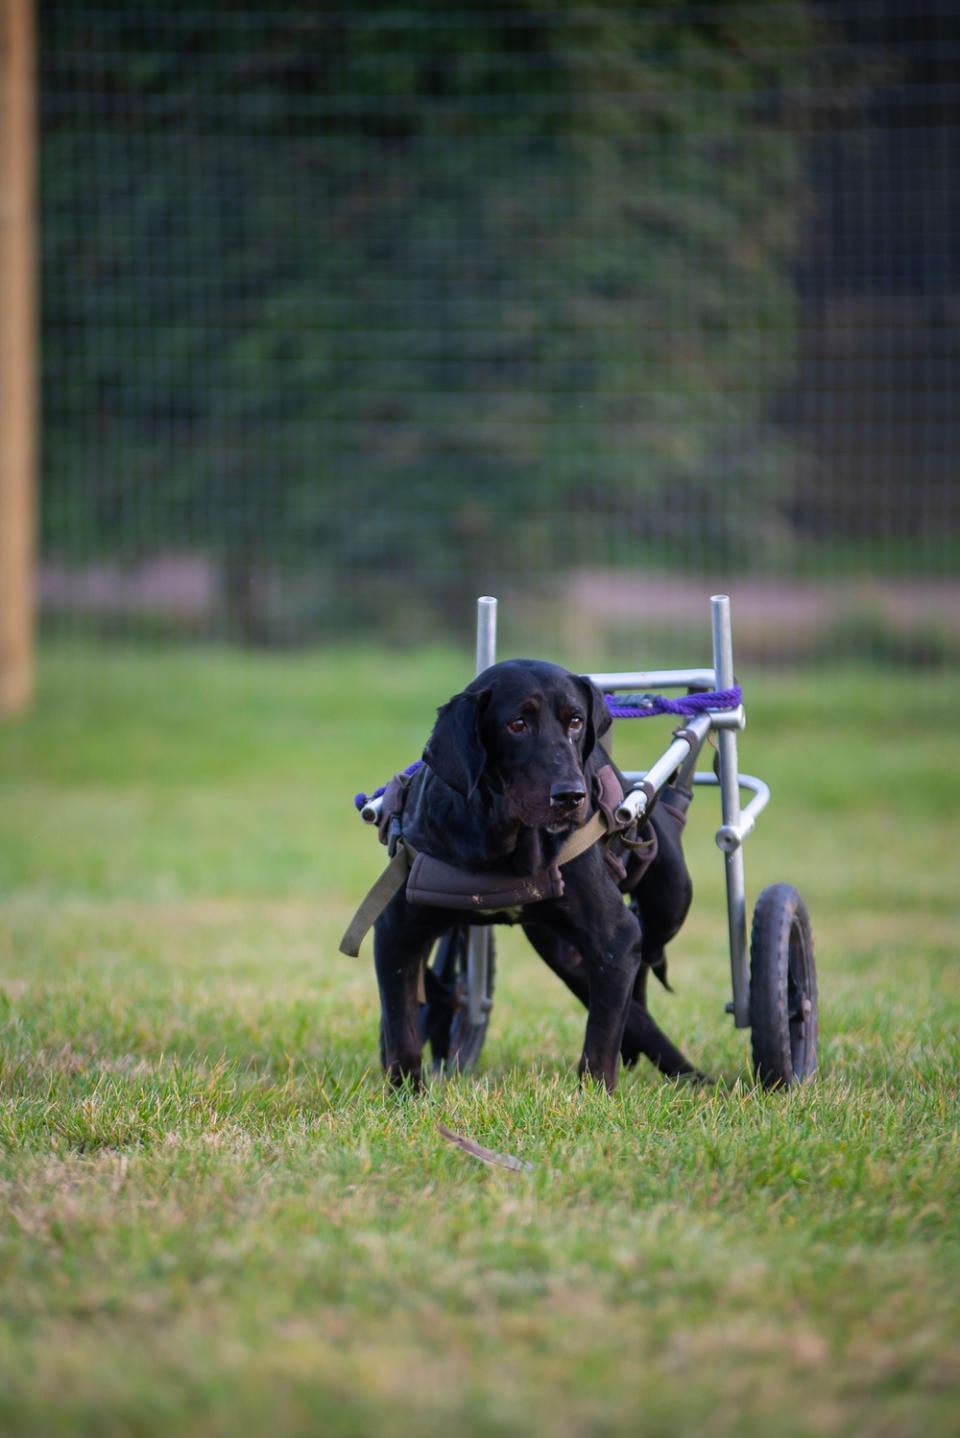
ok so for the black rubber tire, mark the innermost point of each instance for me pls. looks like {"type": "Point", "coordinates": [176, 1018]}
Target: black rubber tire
{"type": "Point", "coordinates": [455, 1042]}
{"type": "Point", "coordinates": [783, 989]}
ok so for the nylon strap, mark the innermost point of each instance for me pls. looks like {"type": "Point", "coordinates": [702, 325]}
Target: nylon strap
{"type": "Point", "coordinates": [389, 883]}
{"type": "Point", "coordinates": [579, 840]}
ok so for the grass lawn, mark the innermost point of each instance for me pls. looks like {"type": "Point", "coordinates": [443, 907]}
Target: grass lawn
{"type": "Point", "coordinates": [216, 1222]}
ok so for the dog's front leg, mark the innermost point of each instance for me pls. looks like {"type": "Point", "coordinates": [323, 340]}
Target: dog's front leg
{"type": "Point", "coordinates": [398, 947]}
{"type": "Point", "coordinates": [641, 1033]}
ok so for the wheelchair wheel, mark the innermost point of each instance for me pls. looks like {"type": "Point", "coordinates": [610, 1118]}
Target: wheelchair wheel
{"type": "Point", "coordinates": [783, 989]}
{"type": "Point", "coordinates": [455, 1042]}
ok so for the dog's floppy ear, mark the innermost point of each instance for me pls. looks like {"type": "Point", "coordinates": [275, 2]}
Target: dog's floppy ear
{"type": "Point", "coordinates": [455, 751]}
{"type": "Point", "coordinates": [598, 715]}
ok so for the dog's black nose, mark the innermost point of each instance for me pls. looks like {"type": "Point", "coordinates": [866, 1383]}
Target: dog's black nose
{"type": "Point", "coordinates": [564, 796]}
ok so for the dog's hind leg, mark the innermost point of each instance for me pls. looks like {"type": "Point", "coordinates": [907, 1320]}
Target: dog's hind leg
{"type": "Point", "coordinates": [642, 1035]}
{"type": "Point", "coordinates": [662, 898]}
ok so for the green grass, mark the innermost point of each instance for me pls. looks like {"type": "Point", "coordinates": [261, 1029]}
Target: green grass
{"type": "Point", "coordinates": [215, 1220]}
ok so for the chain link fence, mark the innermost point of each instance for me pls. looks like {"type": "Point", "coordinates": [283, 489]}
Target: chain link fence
{"type": "Point", "coordinates": [350, 316]}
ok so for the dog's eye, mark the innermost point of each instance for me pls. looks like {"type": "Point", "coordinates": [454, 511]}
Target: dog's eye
{"type": "Point", "coordinates": [517, 726]}
{"type": "Point", "coordinates": [576, 725]}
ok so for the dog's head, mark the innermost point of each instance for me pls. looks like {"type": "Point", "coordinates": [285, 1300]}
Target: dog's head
{"type": "Point", "coordinates": [526, 729]}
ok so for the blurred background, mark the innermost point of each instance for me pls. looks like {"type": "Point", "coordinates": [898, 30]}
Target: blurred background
{"type": "Point", "coordinates": [350, 315]}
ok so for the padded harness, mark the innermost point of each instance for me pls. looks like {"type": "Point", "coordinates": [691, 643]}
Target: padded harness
{"type": "Point", "coordinates": [437, 883]}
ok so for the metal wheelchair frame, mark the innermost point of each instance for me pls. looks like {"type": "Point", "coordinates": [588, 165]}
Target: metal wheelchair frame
{"type": "Point", "coordinates": [679, 760]}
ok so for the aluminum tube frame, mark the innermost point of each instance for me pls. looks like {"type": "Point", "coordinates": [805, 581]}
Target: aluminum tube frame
{"type": "Point", "coordinates": [637, 801]}
{"type": "Point", "coordinates": [642, 679]}
{"type": "Point", "coordinates": [486, 632]}
{"type": "Point", "coordinates": [479, 1001]}
{"type": "Point", "coordinates": [730, 809]}
{"type": "Point", "coordinates": [370, 812]}
{"type": "Point", "coordinates": [730, 837]}
{"type": "Point", "coordinates": [748, 816]}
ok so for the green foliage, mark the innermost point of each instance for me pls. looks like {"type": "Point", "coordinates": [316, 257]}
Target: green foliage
{"type": "Point", "coordinates": [427, 291]}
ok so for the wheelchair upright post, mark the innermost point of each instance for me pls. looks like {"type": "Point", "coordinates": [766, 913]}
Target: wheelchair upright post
{"type": "Point", "coordinates": [486, 632]}
{"type": "Point", "coordinates": [729, 837]}
{"type": "Point", "coordinates": [478, 944]}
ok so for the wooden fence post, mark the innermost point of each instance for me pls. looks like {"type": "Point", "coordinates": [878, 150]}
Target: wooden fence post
{"type": "Point", "coordinates": [18, 346]}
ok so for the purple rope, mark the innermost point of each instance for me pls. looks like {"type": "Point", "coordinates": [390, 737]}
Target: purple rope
{"type": "Point", "coordinates": [641, 706]}
{"type": "Point", "coordinates": [361, 799]}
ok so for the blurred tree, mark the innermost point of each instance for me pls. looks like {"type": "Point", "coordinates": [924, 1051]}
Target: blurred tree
{"type": "Point", "coordinates": [389, 292]}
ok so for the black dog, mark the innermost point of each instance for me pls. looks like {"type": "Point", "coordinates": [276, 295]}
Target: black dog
{"type": "Point", "coordinates": [512, 767]}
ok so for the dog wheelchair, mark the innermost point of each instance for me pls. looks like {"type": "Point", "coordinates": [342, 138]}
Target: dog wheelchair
{"type": "Point", "coordinates": [774, 983]}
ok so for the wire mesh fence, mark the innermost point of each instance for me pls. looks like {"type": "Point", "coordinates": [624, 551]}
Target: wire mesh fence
{"type": "Point", "coordinates": [349, 316]}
